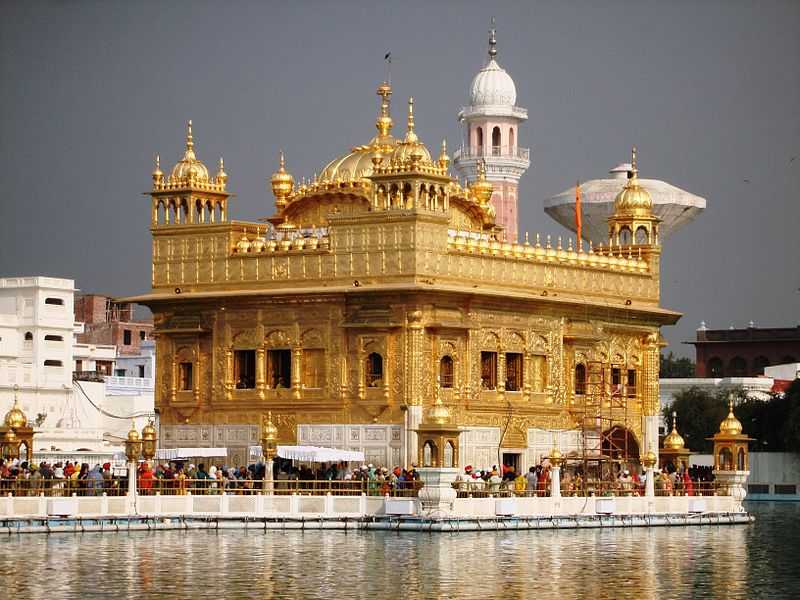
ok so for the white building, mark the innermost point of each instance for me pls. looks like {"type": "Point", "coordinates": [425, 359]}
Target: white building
{"type": "Point", "coordinates": [38, 354]}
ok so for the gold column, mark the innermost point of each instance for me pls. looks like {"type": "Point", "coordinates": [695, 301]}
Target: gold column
{"type": "Point", "coordinates": [527, 376]}
{"type": "Point", "coordinates": [174, 378]}
{"type": "Point", "coordinates": [297, 380]}
{"type": "Point", "coordinates": [228, 374]}
{"type": "Point", "coordinates": [501, 374]}
{"type": "Point", "coordinates": [260, 372]}
{"type": "Point", "coordinates": [649, 387]}
{"type": "Point", "coordinates": [196, 375]}
{"type": "Point", "coordinates": [415, 362]}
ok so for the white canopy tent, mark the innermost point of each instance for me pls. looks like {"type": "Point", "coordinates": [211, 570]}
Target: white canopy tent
{"type": "Point", "coordinates": [314, 454]}
{"type": "Point", "coordinates": [177, 453]}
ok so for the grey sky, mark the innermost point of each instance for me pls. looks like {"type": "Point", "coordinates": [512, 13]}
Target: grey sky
{"type": "Point", "coordinates": [708, 91]}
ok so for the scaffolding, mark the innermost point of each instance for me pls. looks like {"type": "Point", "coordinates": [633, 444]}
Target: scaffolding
{"type": "Point", "coordinates": [605, 441]}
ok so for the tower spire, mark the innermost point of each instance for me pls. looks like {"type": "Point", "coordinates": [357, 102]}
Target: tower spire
{"type": "Point", "coordinates": [384, 121]}
{"type": "Point", "coordinates": [189, 139]}
{"type": "Point", "coordinates": [492, 42]}
{"type": "Point", "coordinates": [411, 136]}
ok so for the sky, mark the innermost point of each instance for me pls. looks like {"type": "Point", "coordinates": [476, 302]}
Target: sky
{"type": "Point", "coordinates": [708, 91]}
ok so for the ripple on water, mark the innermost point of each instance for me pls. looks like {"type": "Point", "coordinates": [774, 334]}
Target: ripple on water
{"type": "Point", "coordinates": [751, 561]}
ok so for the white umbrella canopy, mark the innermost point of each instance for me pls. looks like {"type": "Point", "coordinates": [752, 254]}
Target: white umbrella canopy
{"type": "Point", "coordinates": [315, 454]}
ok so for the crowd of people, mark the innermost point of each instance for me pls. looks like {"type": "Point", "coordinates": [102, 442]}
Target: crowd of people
{"type": "Point", "coordinates": [181, 477]}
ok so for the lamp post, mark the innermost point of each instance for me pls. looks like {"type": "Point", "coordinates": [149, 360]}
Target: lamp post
{"type": "Point", "coordinates": [269, 445]}
{"type": "Point", "coordinates": [649, 461]}
{"type": "Point", "coordinates": [556, 458]}
{"type": "Point", "coordinates": [135, 446]}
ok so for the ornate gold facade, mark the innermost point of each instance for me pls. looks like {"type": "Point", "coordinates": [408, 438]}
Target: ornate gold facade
{"type": "Point", "coordinates": [374, 283]}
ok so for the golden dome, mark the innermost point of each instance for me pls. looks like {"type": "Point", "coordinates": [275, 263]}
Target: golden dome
{"type": "Point", "coordinates": [439, 414]}
{"type": "Point", "coordinates": [633, 198]}
{"type": "Point", "coordinates": [15, 418]}
{"type": "Point", "coordinates": [189, 168]}
{"type": "Point", "coordinates": [158, 175]}
{"type": "Point", "coordinates": [730, 425]}
{"type": "Point", "coordinates": [359, 163]}
{"type": "Point", "coordinates": [481, 188]}
{"type": "Point", "coordinates": [673, 440]}
{"type": "Point", "coordinates": [221, 176]}
{"type": "Point", "coordinates": [410, 149]}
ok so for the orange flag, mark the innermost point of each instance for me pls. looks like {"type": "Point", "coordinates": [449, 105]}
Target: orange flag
{"type": "Point", "coordinates": [578, 224]}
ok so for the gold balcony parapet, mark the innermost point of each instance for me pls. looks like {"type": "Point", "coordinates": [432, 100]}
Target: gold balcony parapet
{"type": "Point", "coordinates": [615, 259]}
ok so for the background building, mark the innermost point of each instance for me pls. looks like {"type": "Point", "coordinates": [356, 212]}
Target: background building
{"type": "Point", "coordinates": [106, 321]}
{"type": "Point", "coordinates": [744, 352]}
{"type": "Point", "coordinates": [65, 387]}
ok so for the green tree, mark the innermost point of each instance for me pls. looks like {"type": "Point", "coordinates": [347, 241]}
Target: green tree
{"type": "Point", "coordinates": [699, 415]}
{"type": "Point", "coordinates": [670, 366]}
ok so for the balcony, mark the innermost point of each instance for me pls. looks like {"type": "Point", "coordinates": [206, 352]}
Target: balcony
{"type": "Point", "coordinates": [509, 152]}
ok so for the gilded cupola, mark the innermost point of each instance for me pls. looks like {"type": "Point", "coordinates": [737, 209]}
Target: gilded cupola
{"type": "Point", "coordinates": [411, 151]}
{"type": "Point", "coordinates": [189, 168]}
{"type": "Point", "coordinates": [673, 440]}
{"type": "Point", "coordinates": [481, 189]}
{"type": "Point", "coordinates": [15, 418]}
{"type": "Point", "coordinates": [730, 425]}
{"type": "Point", "coordinates": [633, 198]}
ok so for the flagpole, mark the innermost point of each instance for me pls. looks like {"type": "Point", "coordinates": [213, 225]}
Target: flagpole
{"type": "Point", "coordinates": [578, 224]}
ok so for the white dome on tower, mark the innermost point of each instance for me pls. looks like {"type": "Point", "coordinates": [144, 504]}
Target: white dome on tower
{"type": "Point", "coordinates": [493, 86]}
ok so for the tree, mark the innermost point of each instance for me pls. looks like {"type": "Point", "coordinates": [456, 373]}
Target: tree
{"type": "Point", "coordinates": [699, 415]}
{"type": "Point", "coordinates": [670, 366]}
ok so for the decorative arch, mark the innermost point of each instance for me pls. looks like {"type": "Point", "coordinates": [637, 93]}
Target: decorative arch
{"type": "Point", "coordinates": [277, 338]}
{"type": "Point", "coordinates": [446, 371]}
{"type": "Point", "coordinates": [737, 367]}
{"type": "Point", "coordinates": [714, 367]}
{"type": "Point", "coordinates": [479, 139]}
{"type": "Point", "coordinates": [580, 379]}
{"type": "Point", "coordinates": [642, 235]}
{"type": "Point", "coordinates": [373, 370]}
{"type": "Point", "coordinates": [496, 141]}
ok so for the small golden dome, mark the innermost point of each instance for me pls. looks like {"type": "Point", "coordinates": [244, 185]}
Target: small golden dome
{"type": "Point", "coordinates": [444, 160]}
{"type": "Point", "coordinates": [282, 182]}
{"type": "Point", "coordinates": [158, 175]}
{"type": "Point", "coordinates": [673, 440]}
{"type": "Point", "coordinates": [633, 198]}
{"type": "Point", "coordinates": [649, 460]}
{"type": "Point", "coordinates": [481, 188]}
{"type": "Point", "coordinates": [189, 168]}
{"type": "Point", "coordinates": [730, 425]}
{"type": "Point", "coordinates": [556, 458]}
{"type": "Point", "coordinates": [439, 414]}
{"type": "Point", "coordinates": [221, 176]}
{"type": "Point", "coordinates": [410, 149]}
{"type": "Point", "coordinates": [15, 418]}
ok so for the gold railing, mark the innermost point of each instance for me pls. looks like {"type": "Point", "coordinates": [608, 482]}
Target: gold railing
{"type": "Point", "coordinates": [581, 489]}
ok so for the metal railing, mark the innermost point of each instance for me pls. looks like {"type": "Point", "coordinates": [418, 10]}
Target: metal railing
{"type": "Point", "coordinates": [498, 151]}
{"type": "Point", "coordinates": [118, 486]}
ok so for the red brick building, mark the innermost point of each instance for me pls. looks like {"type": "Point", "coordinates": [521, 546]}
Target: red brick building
{"type": "Point", "coordinates": [111, 322]}
{"type": "Point", "coordinates": [744, 352]}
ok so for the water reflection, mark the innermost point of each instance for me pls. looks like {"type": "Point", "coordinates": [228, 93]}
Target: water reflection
{"type": "Point", "coordinates": [710, 562]}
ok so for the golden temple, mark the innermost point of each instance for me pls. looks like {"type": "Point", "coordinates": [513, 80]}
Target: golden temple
{"type": "Point", "coordinates": [382, 284]}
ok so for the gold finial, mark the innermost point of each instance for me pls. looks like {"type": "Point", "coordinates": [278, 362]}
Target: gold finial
{"type": "Point", "coordinates": [189, 138]}
{"type": "Point", "coordinates": [492, 42]}
{"type": "Point", "coordinates": [384, 122]}
{"type": "Point", "coordinates": [411, 136]}
{"type": "Point", "coordinates": [527, 243]}
{"type": "Point", "coordinates": [158, 175]}
{"type": "Point", "coordinates": [634, 171]}
{"type": "Point", "coordinates": [282, 183]}
{"type": "Point", "coordinates": [444, 160]}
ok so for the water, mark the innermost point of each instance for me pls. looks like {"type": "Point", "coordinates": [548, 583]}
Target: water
{"type": "Point", "coordinates": [740, 561]}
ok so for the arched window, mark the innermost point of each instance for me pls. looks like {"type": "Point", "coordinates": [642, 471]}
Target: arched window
{"type": "Point", "coordinates": [725, 459]}
{"type": "Point", "coordinates": [738, 367]}
{"type": "Point", "coordinates": [714, 367]}
{"type": "Point", "coordinates": [759, 364]}
{"type": "Point", "coordinates": [428, 454]}
{"type": "Point", "coordinates": [641, 235]}
{"type": "Point", "coordinates": [448, 455]}
{"type": "Point", "coordinates": [374, 370]}
{"type": "Point", "coordinates": [740, 466]}
{"type": "Point", "coordinates": [446, 371]}
{"type": "Point", "coordinates": [580, 379]}
{"type": "Point", "coordinates": [511, 146]}
{"type": "Point", "coordinates": [625, 236]}
{"type": "Point", "coordinates": [28, 336]}
{"type": "Point", "coordinates": [479, 140]}
{"type": "Point", "coordinates": [496, 141]}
